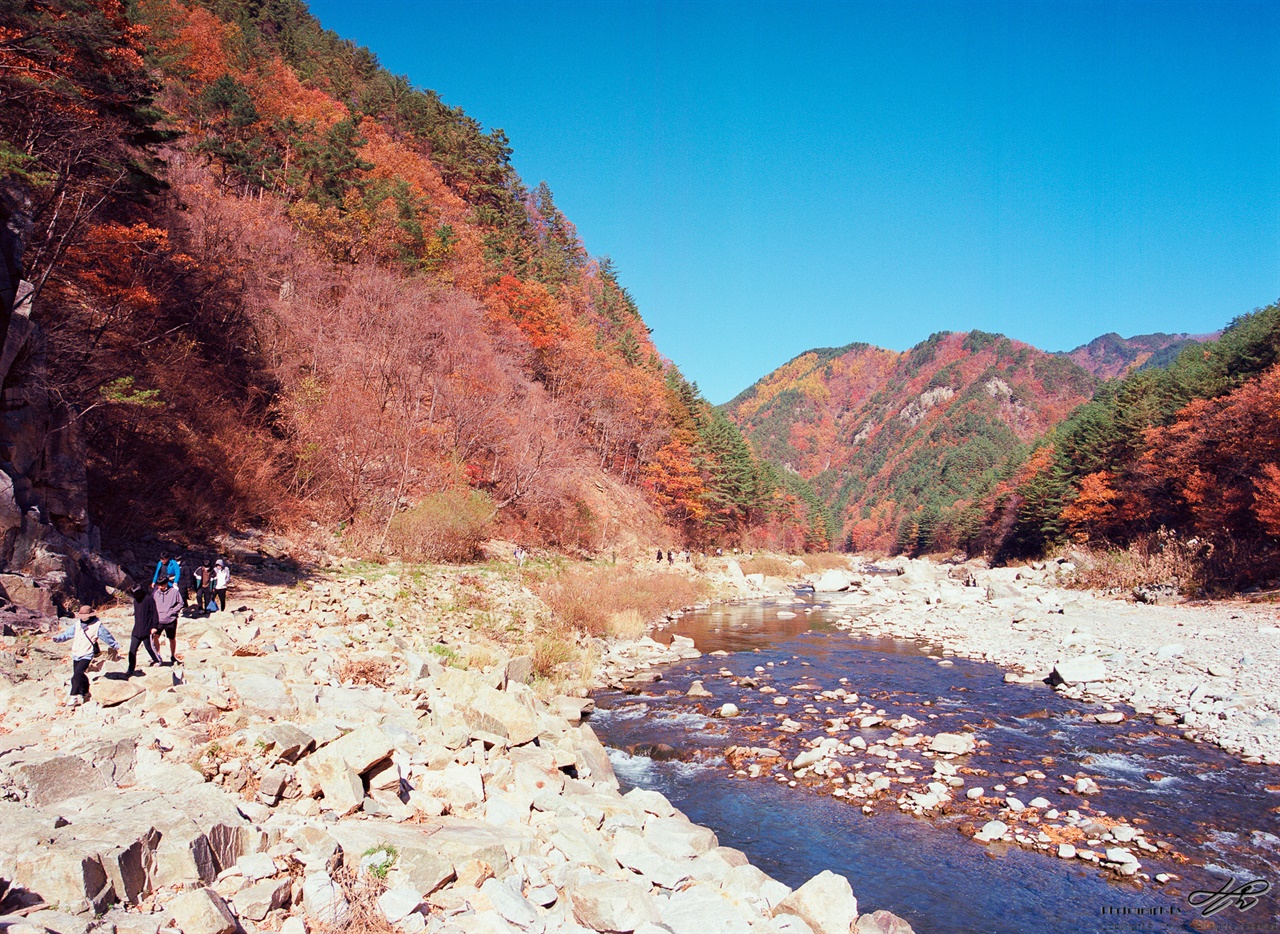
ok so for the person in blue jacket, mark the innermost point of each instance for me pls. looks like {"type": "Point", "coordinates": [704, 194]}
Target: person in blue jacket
{"type": "Point", "coordinates": [166, 567]}
{"type": "Point", "coordinates": [84, 632]}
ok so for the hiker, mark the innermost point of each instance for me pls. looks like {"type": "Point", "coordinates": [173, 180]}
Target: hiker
{"type": "Point", "coordinates": [145, 621]}
{"type": "Point", "coordinates": [659, 555]}
{"type": "Point", "coordinates": [670, 560]}
{"type": "Point", "coordinates": [183, 579]}
{"type": "Point", "coordinates": [204, 587]}
{"type": "Point", "coordinates": [221, 577]}
{"type": "Point", "coordinates": [84, 632]}
{"type": "Point", "coordinates": [168, 607]}
{"type": "Point", "coordinates": [165, 567]}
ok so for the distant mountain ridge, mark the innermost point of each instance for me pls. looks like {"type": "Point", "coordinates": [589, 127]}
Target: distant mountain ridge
{"type": "Point", "coordinates": [900, 445]}
{"type": "Point", "coordinates": [1110, 355]}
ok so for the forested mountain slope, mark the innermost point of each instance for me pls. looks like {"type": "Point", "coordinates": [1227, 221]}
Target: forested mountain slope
{"type": "Point", "coordinates": [1111, 355]}
{"type": "Point", "coordinates": [903, 446]}
{"type": "Point", "coordinates": [275, 283]}
{"type": "Point", "coordinates": [1187, 454]}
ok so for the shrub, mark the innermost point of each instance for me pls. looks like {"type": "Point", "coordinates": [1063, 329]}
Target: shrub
{"type": "Point", "coordinates": [1152, 561]}
{"type": "Point", "coordinates": [446, 526]}
{"type": "Point", "coordinates": [550, 651]}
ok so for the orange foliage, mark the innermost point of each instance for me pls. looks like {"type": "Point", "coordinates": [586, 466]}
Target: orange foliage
{"type": "Point", "coordinates": [1221, 460]}
{"type": "Point", "coordinates": [675, 483]}
{"type": "Point", "coordinates": [531, 308]}
{"type": "Point", "coordinates": [1094, 507]}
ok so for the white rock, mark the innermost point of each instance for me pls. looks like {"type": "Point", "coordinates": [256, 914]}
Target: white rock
{"type": "Point", "coordinates": [825, 903]}
{"type": "Point", "coordinates": [1079, 670]}
{"type": "Point", "coordinates": [991, 830]}
{"type": "Point", "coordinates": [729, 710]}
{"type": "Point", "coordinates": [954, 743]}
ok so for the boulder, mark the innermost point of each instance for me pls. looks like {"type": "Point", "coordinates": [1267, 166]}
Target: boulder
{"type": "Point", "coordinates": [701, 909]}
{"type": "Point", "coordinates": [202, 912]}
{"type": "Point", "coordinates": [55, 779]}
{"type": "Point", "coordinates": [614, 906]}
{"type": "Point", "coordinates": [111, 692]}
{"type": "Point", "coordinates": [509, 904]}
{"type": "Point", "coordinates": [286, 742]}
{"type": "Point", "coordinates": [1079, 670]}
{"type": "Point", "coordinates": [833, 581]}
{"type": "Point", "coordinates": [825, 903]}
{"type": "Point", "coordinates": [323, 900]}
{"type": "Point", "coordinates": [256, 901]}
{"type": "Point", "coordinates": [398, 903]}
{"type": "Point", "coordinates": [509, 714]}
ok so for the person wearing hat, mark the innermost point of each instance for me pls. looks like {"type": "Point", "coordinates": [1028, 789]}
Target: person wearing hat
{"type": "Point", "coordinates": [145, 622]}
{"type": "Point", "coordinates": [221, 577]}
{"type": "Point", "coordinates": [84, 632]}
{"type": "Point", "coordinates": [168, 608]}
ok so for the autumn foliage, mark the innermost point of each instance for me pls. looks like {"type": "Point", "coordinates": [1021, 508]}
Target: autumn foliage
{"type": "Point", "coordinates": [279, 284]}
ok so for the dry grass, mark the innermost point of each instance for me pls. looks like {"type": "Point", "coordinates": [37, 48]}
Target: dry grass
{"type": "Point", "coordinates": [1156, 561]}
{"type": "Point", "coordinates": [362, 895]}
{"type": "Point", "coordinates": [594, 600]}
{"type": "Point", "coordinates": [370, 671]}
{"type": "Point", "coordinates": [826, 560]}
{"type": "Point", "coordinates": [552, 652]}
{"type": "Point", "coordinates": [769, 566]}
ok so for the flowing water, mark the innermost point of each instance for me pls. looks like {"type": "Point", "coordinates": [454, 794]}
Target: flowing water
{"type": "Point", "coordinates": [1213, 818]}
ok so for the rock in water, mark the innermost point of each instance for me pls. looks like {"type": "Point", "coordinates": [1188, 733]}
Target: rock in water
{"type": "Point", "coordinates": [697, 690]}
{"type": "Point", "coordinates": [825, 903]}
{"type": "Point", "coordinates": [882, 922]}
{"type": "Point", "coordinates": [729, 710]}
{"type": "Point", "coordinates": [1079, 670]}
{"type": "Point", "coordinates": [954, 743]}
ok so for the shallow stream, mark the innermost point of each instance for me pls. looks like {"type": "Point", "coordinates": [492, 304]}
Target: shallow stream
{"type": "Point", "coordinates": [1211, 818]}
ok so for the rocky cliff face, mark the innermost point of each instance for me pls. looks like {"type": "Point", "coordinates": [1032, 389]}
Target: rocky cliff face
{"type": "Point", "coordinates": [48, 546]}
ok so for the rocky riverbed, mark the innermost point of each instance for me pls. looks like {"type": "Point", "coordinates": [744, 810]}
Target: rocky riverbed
{"type": "Point", "coordinates": [320, 762]}
{"type": "Point", "coordinates": [1212, 669]}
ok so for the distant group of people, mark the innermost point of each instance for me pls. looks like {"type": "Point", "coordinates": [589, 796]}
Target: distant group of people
{"type": "Point", "coordinates": [156, 610]}
{"type": "Point", "coordinates": [686, 556]}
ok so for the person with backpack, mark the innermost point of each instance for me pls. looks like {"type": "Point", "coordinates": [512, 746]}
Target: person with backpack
{"type": "Point", "coordinates": [84, 632]}
{"type": "Point", "coordinates": [145, 622]}
{"type": "Point", "coordinates": [168, 608]}
{"type": "Point", "coordinates": [221, 578]}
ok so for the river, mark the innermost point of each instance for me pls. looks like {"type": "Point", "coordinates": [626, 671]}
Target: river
{"type": "Point", "coordinates": [1212, 819]}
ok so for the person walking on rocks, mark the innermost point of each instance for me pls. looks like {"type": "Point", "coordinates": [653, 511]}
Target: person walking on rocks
{"type": "Point", "coordinates": [221, 578]}
{"type": "Point", "coordinates": [168, 605]}
{"type": "Point", "coordinates": [84, 632]}
{"type": "Point", "coordinates": [204, 587]}
{"type": "Point", "coordinates": [145, 622]}
{"type": "Point", "coordinates": [165, 567]}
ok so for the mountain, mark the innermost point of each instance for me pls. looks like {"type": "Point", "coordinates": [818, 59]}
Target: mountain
{"type": "Point", "coordinates": [903, 446]}
{"type": "Point", "coordinates": [1111, 355]}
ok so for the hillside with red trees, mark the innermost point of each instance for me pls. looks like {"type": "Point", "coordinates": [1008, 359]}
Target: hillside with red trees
{"type": "Point", "coordinates": [904, 447]}
{"type": "Point", "coordinates": [278, 284]}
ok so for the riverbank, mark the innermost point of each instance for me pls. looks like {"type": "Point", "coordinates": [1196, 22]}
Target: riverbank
{"type": "Point", "coordinates": [1211, 668]}
{"type": "Point", "coordinates": [359, 750]}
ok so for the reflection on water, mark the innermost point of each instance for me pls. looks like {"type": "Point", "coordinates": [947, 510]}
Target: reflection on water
{"type": "Point", "coordinates": [1202, 803]}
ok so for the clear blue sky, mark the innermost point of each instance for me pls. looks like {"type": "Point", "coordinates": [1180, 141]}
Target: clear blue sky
{"type": "Point", "coordinates": [770, 177]}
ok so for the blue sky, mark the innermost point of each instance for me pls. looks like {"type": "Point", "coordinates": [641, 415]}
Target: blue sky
{"type": "Point", "coordinates": [770, 177]}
